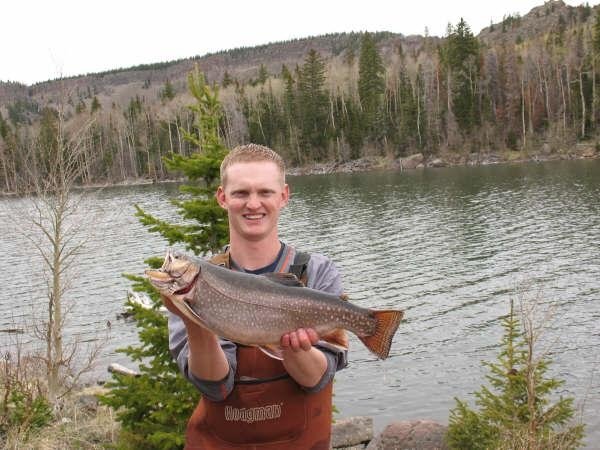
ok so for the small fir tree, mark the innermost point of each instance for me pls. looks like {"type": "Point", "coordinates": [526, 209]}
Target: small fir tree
{"type": "Point", "coordinates": [516, 412]}
{"type": "Point", "coordinates": [167, 93]}
{"type": "Point", "coordinates": [154, 408]}
{"type": "Point", "coordinates": [95, 105]}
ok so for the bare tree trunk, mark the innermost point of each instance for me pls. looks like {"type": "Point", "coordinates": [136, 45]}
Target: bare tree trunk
{"type": "Point", "coordinates": [170, 138]}
{"type": "Point", "coordinates": [523, 128]}
{"type": "Point", "coordinates": [564, 103]}
{"type": "Point", "coordinates": [583, 108]}
{"type": "Point", "coordinates": [594, 96]}
{"type": "Point", "coordinates": [4, 162]}
{"type": "Point", "coordinates": [419, 117]}
{"type": "Point", "coordinates": [121, 154]}
{"type": "Point", "coordinates": [177, 127]}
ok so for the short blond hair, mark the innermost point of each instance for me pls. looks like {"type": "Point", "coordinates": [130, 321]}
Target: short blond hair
{"type": "Point", "coordinates": [251, 153]}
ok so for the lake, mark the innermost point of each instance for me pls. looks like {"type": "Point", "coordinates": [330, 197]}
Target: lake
{"type": "Point", "coordinates": [450, 246]}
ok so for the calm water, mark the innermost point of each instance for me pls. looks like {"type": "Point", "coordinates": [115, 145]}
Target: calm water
{"type": "Point", "coordinates": [450, 246]}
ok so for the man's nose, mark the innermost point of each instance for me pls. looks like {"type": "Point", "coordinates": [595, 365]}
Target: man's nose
{"type": "Point", "coordinates": [253, 202]}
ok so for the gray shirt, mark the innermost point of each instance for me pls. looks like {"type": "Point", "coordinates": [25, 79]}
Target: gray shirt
{"type": "Point", "coordinates": [322, 275]}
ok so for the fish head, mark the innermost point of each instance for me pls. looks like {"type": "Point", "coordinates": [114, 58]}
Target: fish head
{"type": "Point", "coordinates": [177, 276]}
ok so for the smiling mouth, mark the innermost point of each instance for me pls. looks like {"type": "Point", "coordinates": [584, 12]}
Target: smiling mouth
{"type": "Point", "coordinates": [254, 216]}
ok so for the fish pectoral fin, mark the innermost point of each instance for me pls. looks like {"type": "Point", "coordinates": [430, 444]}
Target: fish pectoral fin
{"type": "Point", "coordinates": [286, 279]}
{"type": "Point", "coordinates": [273, 351]}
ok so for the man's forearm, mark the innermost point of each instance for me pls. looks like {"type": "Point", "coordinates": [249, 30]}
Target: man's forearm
{"type": "Point", "coordinates": [206, 359]}
{"type": "Point", "coordinates": [305, 367]}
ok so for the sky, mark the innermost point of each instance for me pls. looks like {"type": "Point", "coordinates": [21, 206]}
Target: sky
{"type": "Point", "coordinates": [47, 39]}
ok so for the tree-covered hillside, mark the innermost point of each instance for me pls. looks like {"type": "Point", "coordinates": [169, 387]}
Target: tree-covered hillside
{"type": "Point", "coordinates": [527, 84]}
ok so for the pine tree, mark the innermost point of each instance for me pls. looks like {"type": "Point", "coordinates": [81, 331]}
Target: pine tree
{"type": "Point", "coordinates": [95, 106]}
{"type": "Point", "coordinates": [516, 411]}
{"type": "Point", "coordinates": [168, 91]}
{"type": "Point", "coordinates": [154, 408]}
{"type": "Point", "coordinates": [227, 80]}
{"type": "Point", "coordinates": [460, 60]}
{"type": "Point", "coordinates": [263, 75]}
{"type": "Point", "coordinates": [313, 102]}
{"type": "Point", "coordinates": [371, 85]}
{"type": "Point", "coordinates": [595, 65]}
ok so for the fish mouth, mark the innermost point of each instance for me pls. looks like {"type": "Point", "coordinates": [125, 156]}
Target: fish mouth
{"type": "Point", "coordinates": [158, 275]}
{"type": "Point", "coordinates": [189, 287]}
{"type": "Point", "coordinates": [162, 279]}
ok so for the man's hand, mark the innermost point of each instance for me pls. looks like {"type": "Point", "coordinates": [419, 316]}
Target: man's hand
{"type": "Point", "coordinates": [305, 363]}
{"type": "Point", "coordinates": [300, 340]}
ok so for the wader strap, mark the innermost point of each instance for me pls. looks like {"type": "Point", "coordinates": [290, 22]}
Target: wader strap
{"type": "Point", "coordinates": [299, 266]}
{"type": "Point", "coordinates": [221, 259]}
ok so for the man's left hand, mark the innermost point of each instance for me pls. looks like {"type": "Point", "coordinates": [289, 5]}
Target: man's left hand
{"type": "Point", "coordinates": [300, 340]}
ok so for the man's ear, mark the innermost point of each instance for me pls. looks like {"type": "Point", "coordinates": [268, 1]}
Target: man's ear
{"type": "Point", "coordinates": [286, 194]}
{"type": "Point", "coordinates": [220, 196]}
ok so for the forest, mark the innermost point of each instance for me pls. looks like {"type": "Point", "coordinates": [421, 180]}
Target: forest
{"type": "Point", "coordinates": [527, 84]}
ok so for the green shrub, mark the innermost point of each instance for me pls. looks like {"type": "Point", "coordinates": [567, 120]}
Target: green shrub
{"type": "Point", "coordinates": [516, 412]}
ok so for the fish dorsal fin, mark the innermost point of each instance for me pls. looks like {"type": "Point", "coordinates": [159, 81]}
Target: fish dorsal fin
{"type": "Point", "coordinates": [287, 279]}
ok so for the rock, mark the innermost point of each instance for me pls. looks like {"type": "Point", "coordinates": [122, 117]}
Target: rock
{"type": "Point", "coordinates": [411, 434]}
{"type": "Point", "coordinates": [546, 149]}
{"type": "Point", "coordinates": [437, 162]}
{"type": "Point", "coordinates": [350, 432]}
{"type": "Point", "coordinates": [87, 398]}
{"type": "Point", "coordinates": [411, 162]}
{"type": "Point", "coordinates": [588, 152]}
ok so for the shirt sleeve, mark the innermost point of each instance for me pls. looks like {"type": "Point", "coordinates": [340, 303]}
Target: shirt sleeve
{"type": "Point", "coordinates": [178, 346]}
{"type": "Point", "coordinates": [324, 276]}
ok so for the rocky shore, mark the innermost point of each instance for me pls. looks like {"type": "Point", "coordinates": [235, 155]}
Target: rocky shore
{"type": "Point", "coordinates": [419, 160]}
{"type": "Point", "coordinates": [356, 433]}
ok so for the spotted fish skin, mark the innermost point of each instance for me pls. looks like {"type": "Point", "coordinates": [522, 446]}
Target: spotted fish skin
{"type": "Point", "coordinates": [258, 310]}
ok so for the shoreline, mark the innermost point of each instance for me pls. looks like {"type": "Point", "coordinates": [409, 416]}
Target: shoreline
{"type": "Point", "coordinates": [385, 163]}
{"type": "Point", "coordinates": [447, 159]}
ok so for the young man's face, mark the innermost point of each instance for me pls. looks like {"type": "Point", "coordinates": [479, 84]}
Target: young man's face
{"type": "Point", "coordinates": [253, 196]}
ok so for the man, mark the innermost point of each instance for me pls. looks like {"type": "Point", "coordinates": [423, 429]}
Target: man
{"type": "Point", "coordinates": [251, 400]}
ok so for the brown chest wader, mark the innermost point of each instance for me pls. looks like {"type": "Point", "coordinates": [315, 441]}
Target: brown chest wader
{"type": "Point", "coordinates": [266, 409]}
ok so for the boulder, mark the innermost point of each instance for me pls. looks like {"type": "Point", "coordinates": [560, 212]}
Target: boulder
{"type": "Point", "coordinates": [437, 162]}
{"type": "Point", "coordinates": [411, 434]}
{"type": "Point", "coordinates": [412, 161]}
{"type": "Point", "coordinates": [352, 432]}
{"type": "Point", "coordinates": [588, 152]}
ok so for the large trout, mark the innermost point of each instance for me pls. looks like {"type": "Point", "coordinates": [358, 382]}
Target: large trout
{"type": "Point", "coordinates": [259, 309]}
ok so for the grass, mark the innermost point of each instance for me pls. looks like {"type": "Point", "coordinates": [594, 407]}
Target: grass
{"type": "Point", "coordinates": [77, 425]}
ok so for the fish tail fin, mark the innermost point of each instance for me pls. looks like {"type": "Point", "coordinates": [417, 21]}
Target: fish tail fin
{"type": "Point", "coordinates": [387, 324]}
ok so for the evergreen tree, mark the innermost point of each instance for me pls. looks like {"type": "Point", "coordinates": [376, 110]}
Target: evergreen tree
{"type": "Point", "coordinates": [95, 105]}
{"type": "Point", "coordinates": [460, 60]}
{"type": "Point", "coordinates": [516, 411]}
{"type": "Point", "coordinates": [371, 85]}
{"type": "Point", "coordinates": [595, 66]}
{"type": "Point", "coordinates": [227, 80]}
{"type": "Point", "coordinates": [313, 105]}
{"type": "Point", "coordinates": [263, 75]}
{"type": "Point", "coordinates": [154, 408]}
{"type": "Point", "coordinates": [168, 91]}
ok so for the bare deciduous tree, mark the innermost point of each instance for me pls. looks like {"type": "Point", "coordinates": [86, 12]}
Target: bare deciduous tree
{"type": "Point", "coordinates": [51, 220]}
